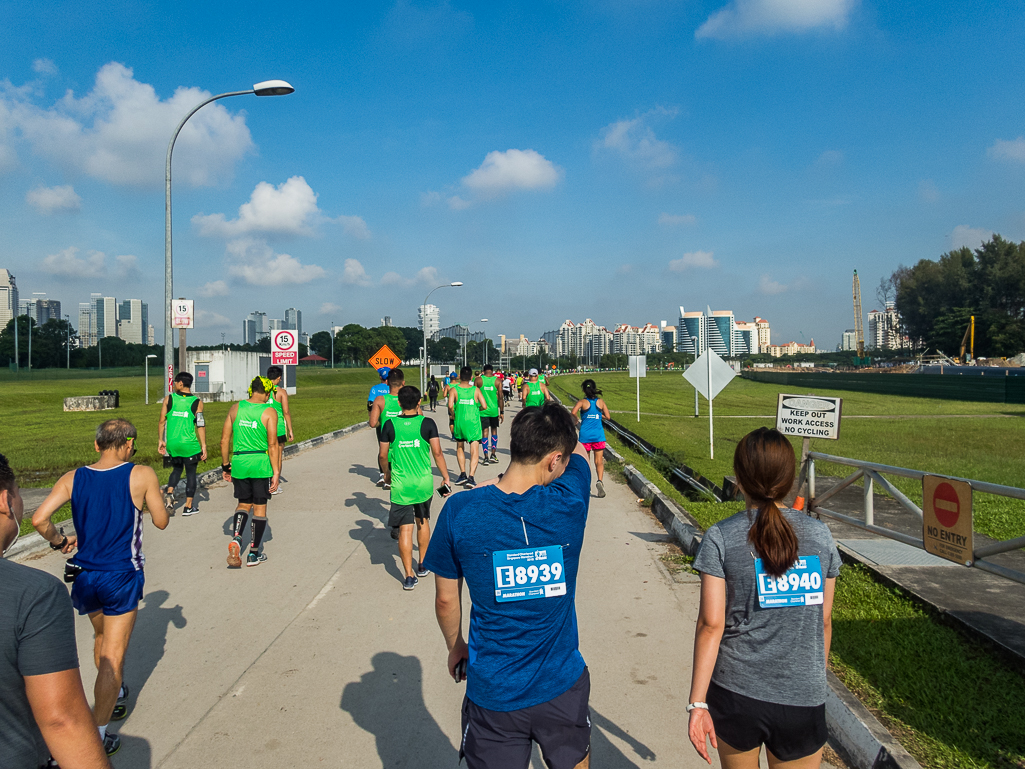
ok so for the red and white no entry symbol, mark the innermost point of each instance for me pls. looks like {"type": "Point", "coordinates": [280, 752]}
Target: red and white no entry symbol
{"type": "Point", "coordinates": [946, 504]}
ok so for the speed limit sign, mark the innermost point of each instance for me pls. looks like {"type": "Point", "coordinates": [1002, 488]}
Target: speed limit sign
{"type": "Point", "coordinates": [284, 349]}
{"type": "Point", "coordinates": [181, 313]}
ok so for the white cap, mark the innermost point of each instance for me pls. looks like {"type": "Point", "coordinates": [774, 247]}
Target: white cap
{"type": "Point", "coordinates": [532, 372]}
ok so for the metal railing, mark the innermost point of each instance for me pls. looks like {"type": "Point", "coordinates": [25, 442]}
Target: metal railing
{"type": "Point", "coordinates": [871, 473]}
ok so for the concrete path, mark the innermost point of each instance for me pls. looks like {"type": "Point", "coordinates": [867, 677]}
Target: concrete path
{"type": "Point", "coordinates": [319, 658]}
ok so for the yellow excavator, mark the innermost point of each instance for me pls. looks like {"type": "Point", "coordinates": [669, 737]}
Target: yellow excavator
{"type": "Point", "coordinates": [968, 341]}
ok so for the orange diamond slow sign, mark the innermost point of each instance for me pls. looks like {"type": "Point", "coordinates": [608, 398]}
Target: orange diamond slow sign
{"type": "Point", "coordinates": [384, 357]}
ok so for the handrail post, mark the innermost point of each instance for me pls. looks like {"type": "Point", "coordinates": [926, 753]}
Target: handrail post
{"type": "Point", "coordinates": [811, 481]}
{"type": "Point", "coordinates": [870, 514]}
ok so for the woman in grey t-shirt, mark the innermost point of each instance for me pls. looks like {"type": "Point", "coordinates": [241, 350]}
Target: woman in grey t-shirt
{"type": "Point", "coordinates": [763, 631]}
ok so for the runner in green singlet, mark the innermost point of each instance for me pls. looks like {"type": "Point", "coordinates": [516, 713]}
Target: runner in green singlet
{"type": "Point", "coordinates": [407, 443]}
{"type": "Point", "coordinates": [383, 409]}
{"type": "Point", "coordinates": [534, 393]}
{"type": "Point", "coordinates": [250, 440]}
{"type": "Point", "coordinates": [279, 400]}
{"type": "Point", "coordinates": [465, 403]}
{"type": "Point", "coordinates": [492, 416]}
{"type": "Point", "coordinates": [182, 440]}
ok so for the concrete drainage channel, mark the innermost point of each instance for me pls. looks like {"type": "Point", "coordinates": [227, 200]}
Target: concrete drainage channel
{"type": "Point", "coordinates": [864, 741]}
{"type": "Point", "coordinates": [31, 543]}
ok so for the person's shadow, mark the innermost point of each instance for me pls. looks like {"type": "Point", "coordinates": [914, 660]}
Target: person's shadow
{"type": "Point", "coordinates": [364, 471]}
{"type": "Point", "coordinates": [149, 638]}
{"type": "Point", "coordinates": [382, 549]}
{"type": "Point", "coordinates": [388, 702]}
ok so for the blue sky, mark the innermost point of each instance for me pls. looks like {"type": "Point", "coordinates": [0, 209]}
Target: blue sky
{"type": "Point", "coordinates": [611, 160]}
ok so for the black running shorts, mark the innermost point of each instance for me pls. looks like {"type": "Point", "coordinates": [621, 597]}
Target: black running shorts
{"type": "Point", "coordinates": [403, 515]}
{"type": "Point", "coordinates": [789, 731]}
{"type": "Point", "coordinates": [283, 439]}
{"type": "Point", "coordinates": [489, 423]}
{"type": "Point", "coordinates": [561, 728]}
{"type": "Point", "coordinates": [251, 491]}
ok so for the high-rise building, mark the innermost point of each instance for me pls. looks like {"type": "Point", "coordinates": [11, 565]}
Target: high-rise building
{"type": "Point", "coordinates": [39, 308]}
{"type": "Point", "coordinates": [691, 333]}
{"type": "Point", "coordinates": [133, 321]}
{"type": "Point", "coordinates": [255, 327]}
{"type": "Point", "coordinates": [429, 320]}
{"type": "Point", "coordinates": [745, 338]}
{"type": "Point", "coordinates": [386, 320]}
{"type": "Point", "coordinates": [585, 340]}
{"type": "Point", "coordinates": [8, 297]}
{"type": "Point", "coordinates": [764, 339]}
{"type": "Point", "coordinates": [294, 320]}
{"type": "Point", "coordinates": [849, 340]}
{"type": "Point", "coordinates": [105, 315]}
{"type": "Point", "coordinates": [634, 340]}
{"type": "Point", "coordinates": [884, 329]}
{"type": "Point", "coordinates": [668, 337]}
{"type": "Point", "coordinates": [86, 325]}
{"type": "Point", "coordinates": [720, 331]}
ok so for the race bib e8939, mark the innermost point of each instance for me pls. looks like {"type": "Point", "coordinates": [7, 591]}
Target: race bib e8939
{"type": "Point", "coordinates": [800, 586]}
{"type": "Point", "coordinates": [533, 572]}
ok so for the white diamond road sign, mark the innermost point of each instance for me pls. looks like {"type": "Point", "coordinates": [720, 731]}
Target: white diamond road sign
{"type": "Point", "coordinates": [710, 374]}
{"type": "Point", "coordinates": [284, 348]}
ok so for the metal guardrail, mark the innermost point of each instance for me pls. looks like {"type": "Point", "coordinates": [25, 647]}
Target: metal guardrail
{"type": "Point", "coordinates": [871, 473]}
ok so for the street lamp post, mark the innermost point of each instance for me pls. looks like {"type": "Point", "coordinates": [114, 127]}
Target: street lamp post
{"type": "Point", "coordinates": [694, 341]}
{"type": "Point", "coordinates": [331, 333]}
{"type": "Point", "coordinates": [266, 88]}
{"type": "Point", "coordinates": [145, 368]}
{"type": "Point", "coordinates": [68, 319]}
{"type": "Point", "coordinates": [423, 325]}
{"type": "Point", "coordinates": [485, 320]}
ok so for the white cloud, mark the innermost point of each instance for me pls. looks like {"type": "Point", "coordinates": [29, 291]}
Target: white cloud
{"type": "Point", "coordinates": [427, 275]}
{"type": "Point", "coordinates": [288, 209]}
{"type": "Point", "coordinates": [49, 200]}
{"type": "Point", "coordinates": [971, 237]}
{"type": "Point", "coordinates": [118, 131]}
{"type": "Point", "coordinates": [456, 203]}
{"type": "Point", "coordinates": [392, 279]}
{"type": "Point", "coordinates": [430, 198]}
{"type": "Point", "coordinates": [746, 18]}
{"type": "Point", "coordinates": [127, 266]}
{"type": "Point", "coordinates": [208, 319]}
{"type": "Point", "coordinates": [214, 288]}
{"type": "Point", "coordinates": [354, 274]}
{"type": "Point", "coordinates": [44, 67]}
{"type": "Point", "coordinates": [674, 220]}
{"type": "Point", "coordinates": [68, 264]}
{"type": "Point", "coordinates": [635, 141]}
{"type": "Point", "coordinates": [698, 260]}
{"type": "Point", "coordinates": [355, 226]}
{"type": "Point", "coordinates": [1013, 150]}
{"type": "Point", "coordinates": [770, 287]}
{"type": "Point", "coordinates": [513, 170]}
{"type": "Point", "coordinates": [255, 262]}
{"type": "Point", "coordinates": [329, 308]}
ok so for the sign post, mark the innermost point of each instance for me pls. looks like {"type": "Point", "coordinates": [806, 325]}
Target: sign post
{"type": "Point", "coordinates": [384, 357]}
{"type": "Point", "coordinates": [947, 518]}
{"type": "Point", "coordinates": [182, 317]}
{"type": "Point", "coordinates": [638, 368]}
{"type": "Point", "coordinates": [709, 375]}
{"type": "Point", "coordinates": [284, 349]}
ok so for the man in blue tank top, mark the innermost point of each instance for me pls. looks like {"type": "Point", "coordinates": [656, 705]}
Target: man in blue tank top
{"type": "Point", "coordinates": [106, 499]}
{"type": "Point", "coordinates": [379, 389]}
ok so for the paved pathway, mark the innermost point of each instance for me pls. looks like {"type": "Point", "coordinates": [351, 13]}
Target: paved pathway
{"type": "Point", "coordinates": [319, 658]}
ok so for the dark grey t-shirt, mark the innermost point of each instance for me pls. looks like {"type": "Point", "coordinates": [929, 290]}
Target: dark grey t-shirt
{"type": "Point", "coordinates": [774, 655]}
{"type": "Point", "coordinates": [37, 637]}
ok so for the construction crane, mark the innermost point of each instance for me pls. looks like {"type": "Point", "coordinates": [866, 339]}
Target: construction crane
{"type": "Point", "coordinates": [859, 331]}
{"type": "Point", "coordinates": [968, 341]}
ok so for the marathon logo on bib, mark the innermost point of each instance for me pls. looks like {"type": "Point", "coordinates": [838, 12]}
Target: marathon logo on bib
{"type": "Point", "coordinates": [801, 585]}
{"type": "Point", "coordinates": [533, 572]}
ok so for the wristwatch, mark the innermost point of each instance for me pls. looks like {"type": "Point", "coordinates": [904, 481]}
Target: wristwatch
{"type": "Point", "coordinates": [61, 545]}
{"type": "Point", "coordinates": [697, 706]}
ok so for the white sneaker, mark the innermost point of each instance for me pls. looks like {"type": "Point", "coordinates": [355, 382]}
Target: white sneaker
{"type": "Point", "coordinates": [279, 490]}
{"type": "Point", "coordinates": [380, 480]}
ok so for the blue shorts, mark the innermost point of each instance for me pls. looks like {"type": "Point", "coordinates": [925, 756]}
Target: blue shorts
{"type": "Point", "coordinates": [112, 592]}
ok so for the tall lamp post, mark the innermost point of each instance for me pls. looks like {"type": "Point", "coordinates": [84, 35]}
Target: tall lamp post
{"type": "Point", "coordinates": [423, 324]}
{"type": "Point", "coordinates": [68, 319]}
{"type": "Point", "coordinates": [266, 88]}
{"type": "Point", "coordinates": [694, 341]}
{"type": "Point", "coordinates": [145, 367]}
{"type": "Point", "coordinates": [485, 320]}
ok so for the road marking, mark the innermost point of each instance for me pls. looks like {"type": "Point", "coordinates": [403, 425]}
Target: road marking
{"type": "Point", "coordinates": [239, 690]}
{"type": "Point", "coordinates": [323, 591]}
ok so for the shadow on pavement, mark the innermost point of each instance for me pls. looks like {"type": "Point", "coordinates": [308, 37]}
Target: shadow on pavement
{"type": "Point", "coordinates": [371, 473]}
{"type": "Point", "coordinates": [149, 640]}
{"type": "Point", "coordinates": [382, 549]}
{"type": "Point", "coordinates": [388, 703]}
{"type": "Point", "coordinates": [135, 752]}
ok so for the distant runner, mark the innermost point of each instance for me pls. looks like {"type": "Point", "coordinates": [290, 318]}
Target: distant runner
{"type": "Point", "coordinates": [533, 392]}
{"type": "Point", "coordinates": [590, 410]}
{"type": "Point", "coordinates": [249, 441]}
{"type": "Point", "coordinates": [381, 388]}
{"type": "Point", "coordinates": [279, 400]}
{"type": "Point", "coordinates": [492, 416]}
{"type": "Point", "coordinates": [384, 408]}
{"type": "Point", "coordinates": [182, 439]}
{"type": "Point", "coordinates": [465, 403]}
{"type": "Point", "coordinates": [433, 389]}
{"type": "Point", "coordinates": [407, 443]}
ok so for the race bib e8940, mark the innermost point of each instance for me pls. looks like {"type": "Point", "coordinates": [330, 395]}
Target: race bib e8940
{"type": "Point", "coordinates": [800, 586]}
{"type": "Point", "coordinates": [533, 572]}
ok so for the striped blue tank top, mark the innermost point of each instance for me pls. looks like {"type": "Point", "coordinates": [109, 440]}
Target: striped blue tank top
{"type": "Point", "coordinates": [107, 522]}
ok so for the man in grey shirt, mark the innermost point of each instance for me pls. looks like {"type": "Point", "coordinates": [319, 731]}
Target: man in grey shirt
{"type": "Point", "coordinates": [43, 710]}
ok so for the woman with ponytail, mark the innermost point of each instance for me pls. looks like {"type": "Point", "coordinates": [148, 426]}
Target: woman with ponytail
{"type": "Point", "coordinates": [764, 627]}
{"type": "Point", "coordinates": [589, 410]}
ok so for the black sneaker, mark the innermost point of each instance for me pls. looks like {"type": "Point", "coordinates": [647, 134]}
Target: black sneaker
{"type": "Point", "coordinates": [121, 706]}
{"type": "Point", "coordinates": [461, 479]}
{"type": "Point", "coordinates": [111, 744]}
{"type": "Point", "coordinates": [410, 583]}
{"type": "Point", "coordinates": [494, 458]}
{"type": "Point", "coordinates": [421, 571]}
{"type": "Point", "coordinates": [394, 532]}
{"type": "Point", "coordinates": [484, 461]}
{"type": "Point", "coordinates": [190, 510]}
{"type": "Point", "coordinates": [469, 483]}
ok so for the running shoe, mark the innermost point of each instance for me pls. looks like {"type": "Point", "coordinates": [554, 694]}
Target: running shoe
{"type": "Point", "coordinates": [421, 571]}
{"type": "Point", "coordinates": [386, 486]}
{"type": "Point", "coordinates": [461, 479]}
{"type": "Point", "coordinates": [169, 502]}
{"type": "Point", "coordinates": [111, 743]}
{"type": "Point", "coordinates": [255, 559]}
{"type": "Point", "coordinates": [601, 489]}
{"type": "Point", "coordinates": [380, 480]}
{"type": "Point", "coordinates": [469, 483]}
{"type": "Point", "coordinates": [394, 532]}
{"type": "Point", "coordinates": [410, 583]}
{"type": "Point", "coordinates": [484, 460]}
{"type": "Point", "coordinates": [277, 491]}
{"type": "Point", "coordinates": [235, 553]}
{"type": "Point", "coordinates": [121, 706]}
{"type": "Point", "coordinates": [494, 458]}
{"type": "Point", "coordinates": [190, 510]}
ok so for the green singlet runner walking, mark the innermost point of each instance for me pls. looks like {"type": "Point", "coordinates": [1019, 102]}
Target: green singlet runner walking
{"type": "Point", "coordinates": [182, 440]}
{"type": "Point", "coordinates": [492, 416]}
{"type": "Point", "coordinates": [385, 408]}
{"type": "Point", "coordinates": [534, 393]}
{"type": "Point", "coordinates": [465, 403]}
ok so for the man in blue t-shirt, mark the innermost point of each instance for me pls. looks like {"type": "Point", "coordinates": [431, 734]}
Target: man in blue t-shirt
{"type": "Point", "coordinates": [381, 388]}
{"type": "Point", "coordinates": [517, 546]}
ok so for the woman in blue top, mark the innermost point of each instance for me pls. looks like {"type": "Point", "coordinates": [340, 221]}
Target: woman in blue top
{"type": "Point", "coordinates": [589, 410]}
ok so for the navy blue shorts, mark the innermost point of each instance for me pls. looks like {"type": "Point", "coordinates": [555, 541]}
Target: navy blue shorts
{"type": "Point", "coordinates": [112, 592]}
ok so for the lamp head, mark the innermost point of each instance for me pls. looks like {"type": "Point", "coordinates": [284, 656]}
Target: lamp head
{"type": "Point", "coordinates": [457, 283]}
{"type": "Point", "coordinates": [483, 320]}
{"type": "Point", "coordinates": [273, 88]}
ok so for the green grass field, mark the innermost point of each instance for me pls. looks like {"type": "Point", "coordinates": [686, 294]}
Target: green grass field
{"type": "Point", "coordinates": [910, 432]}
{"type": "Point", "coordinates": [43, 441]}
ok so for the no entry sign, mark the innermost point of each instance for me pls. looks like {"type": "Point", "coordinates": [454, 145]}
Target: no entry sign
{"type": "Point", "coordinates": [947, 518]}
{"type": "Point", "coordinates": [284, 348]}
